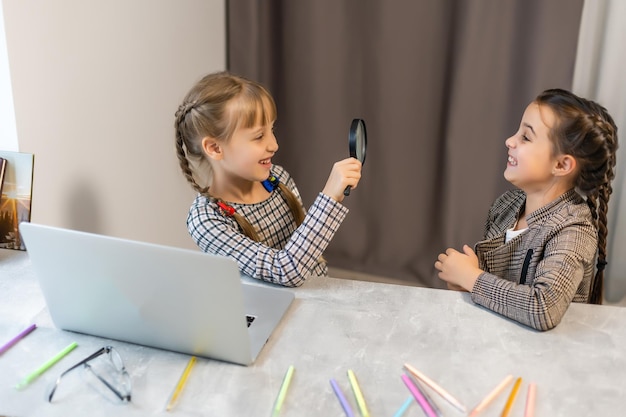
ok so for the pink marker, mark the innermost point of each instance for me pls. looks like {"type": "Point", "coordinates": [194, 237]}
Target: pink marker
{"type": "Point", "coordinates": [530, 401]}
{"type": "Point", "coordinates": [421, 400]}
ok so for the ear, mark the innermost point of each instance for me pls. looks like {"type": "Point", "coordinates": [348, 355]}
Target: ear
{"type": "Point", "coordinates": [212, 148]}
{"type": "Point", "coordinates": [565, 165]}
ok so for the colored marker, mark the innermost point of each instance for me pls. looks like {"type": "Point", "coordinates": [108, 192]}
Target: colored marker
{"type": "Point", "coordinates": [358, 394]}
{"type": "Point", "coordinates": [342, 398]}
{"type": "Point", "coordinates": [426, 396]}
{"type": "Point", "coordinates": [511, 399]}
{"type": "Point", "coordinates": [180, 385]}
{"type": "Point", "coordinates": [283, 391]}
{"type": "Point", "coordinates": [43, 368]}
{"type": "Point", "coordinates": [490, 397]}
{"type": "Point", "coordinates": [405, 406]}
{"type": "Point", "coordinates": [17, 338]}
{"type": "Point", "coordinates": [530, 400]}
{"type": "Point", "coordinates": [432, 384]}
{"type": "Point", "coordinates": [419, 397]}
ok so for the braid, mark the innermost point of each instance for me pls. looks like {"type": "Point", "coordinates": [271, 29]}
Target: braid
{"type": "Point", "coordinates": [293, 202]}
{"type": "Point", "coordinates": [592, 202]}
{"type": "Point", "coordinates": [604, 123]}
{"type": "Point", "coordinates": [182, 144]}
{"type": "Point", "coordinates": [595, 296]}
{"type": "Point", "coordinates": [587, 132]}
{"type": "Point", "coordinates": [296, 208]}
{"type": "Point", "coordinates": [245, 226]}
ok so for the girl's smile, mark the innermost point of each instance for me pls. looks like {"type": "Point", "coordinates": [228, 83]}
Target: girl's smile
{"type": "Point", "coordinates": [511, 161]}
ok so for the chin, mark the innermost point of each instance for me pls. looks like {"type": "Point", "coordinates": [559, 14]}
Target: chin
{"type": "Point", "coordinates": [509, 178]}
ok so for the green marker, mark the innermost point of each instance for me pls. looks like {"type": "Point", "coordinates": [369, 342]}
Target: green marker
{"type": "Point", "coordinates": [43, 368]}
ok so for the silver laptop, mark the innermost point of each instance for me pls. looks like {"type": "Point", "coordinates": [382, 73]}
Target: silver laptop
{"type": "Point", "coordinates": [159, 296]}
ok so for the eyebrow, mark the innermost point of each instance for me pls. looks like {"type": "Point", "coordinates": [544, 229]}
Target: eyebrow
{"type": "Point", "coordinates": [530, 127]}
{"type": "Point", "coordinates": [257, 132]}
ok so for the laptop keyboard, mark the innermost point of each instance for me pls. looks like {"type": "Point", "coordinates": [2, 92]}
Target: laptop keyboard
{"type": "Point", "coordinates": [250, 319]}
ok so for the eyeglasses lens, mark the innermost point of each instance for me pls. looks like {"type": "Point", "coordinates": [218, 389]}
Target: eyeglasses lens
{"type": "Point", "coordinates": [104, 372]}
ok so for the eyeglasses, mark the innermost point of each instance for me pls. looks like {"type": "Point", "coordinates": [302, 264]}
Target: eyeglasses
{"type": "Point", "coordinates": [117, 379]}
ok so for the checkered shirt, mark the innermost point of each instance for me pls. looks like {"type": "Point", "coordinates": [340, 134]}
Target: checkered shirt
{"type": "Point", "coordinates": [535, 276]}
{"type": "Point", "coordinates": [285, 255]}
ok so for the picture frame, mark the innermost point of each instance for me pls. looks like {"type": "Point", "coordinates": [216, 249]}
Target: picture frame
{"type": "Point", "coordinates": [15, 196]}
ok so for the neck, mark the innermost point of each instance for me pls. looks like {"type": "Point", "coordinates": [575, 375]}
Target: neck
{"type": "Point", "coordinates": [537, 199]}
{"type": "Point", "coordinates": [238, 191]}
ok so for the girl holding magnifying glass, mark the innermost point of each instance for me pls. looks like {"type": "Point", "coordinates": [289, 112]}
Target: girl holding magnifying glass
{"type": "Point", "coordinates": [247, 208]}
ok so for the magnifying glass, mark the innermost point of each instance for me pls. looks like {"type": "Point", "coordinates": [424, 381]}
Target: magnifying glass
{"type": "Point", "coordinates": [357, 143]}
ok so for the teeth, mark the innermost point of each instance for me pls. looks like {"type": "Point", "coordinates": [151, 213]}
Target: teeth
{"type": "Point", "coordinates": [512, 160]}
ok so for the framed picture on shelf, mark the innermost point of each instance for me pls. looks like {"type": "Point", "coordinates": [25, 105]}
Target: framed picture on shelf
{"type": "Point", "coordinates": [16, 187]}
{"type": "Point", "coordinates": [3, 168]}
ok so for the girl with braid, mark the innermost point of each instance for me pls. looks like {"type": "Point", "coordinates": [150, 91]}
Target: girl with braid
{"type": "Point", "coordinates": [247, 208]}
{"type": "Point", "coordinates": [545, 243]}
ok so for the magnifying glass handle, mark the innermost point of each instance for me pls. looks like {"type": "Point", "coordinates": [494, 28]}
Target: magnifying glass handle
{"type": "Point", "coordinates": [346, 192]}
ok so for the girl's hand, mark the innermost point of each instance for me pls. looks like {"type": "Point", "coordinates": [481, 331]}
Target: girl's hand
{"type": "Point", "coordinates": [344, 173]}
{"type": "Point", "coordinates": [458, 269]}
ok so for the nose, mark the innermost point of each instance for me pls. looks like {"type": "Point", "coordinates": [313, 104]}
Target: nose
{"type": "Point", "coordinates": [272, 143]}
{"type": "Point", "coordinates": [510, 142]}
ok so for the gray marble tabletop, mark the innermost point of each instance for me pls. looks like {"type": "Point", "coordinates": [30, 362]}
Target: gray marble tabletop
{"type": "Point", "coordinates": [334, 325]}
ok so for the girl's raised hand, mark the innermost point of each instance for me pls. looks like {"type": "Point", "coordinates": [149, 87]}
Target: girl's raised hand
{"type": "Point", "coordinates": [344, 173]}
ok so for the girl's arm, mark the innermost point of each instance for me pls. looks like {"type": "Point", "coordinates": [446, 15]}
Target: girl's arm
{"type": "Point", "coordinates": [217, 234]}
{"type": "Point", "coordinates": [541, 305]}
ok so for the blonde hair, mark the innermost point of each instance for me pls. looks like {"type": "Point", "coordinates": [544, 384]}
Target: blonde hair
{"type": "Point", "coordinates": [216, 106]}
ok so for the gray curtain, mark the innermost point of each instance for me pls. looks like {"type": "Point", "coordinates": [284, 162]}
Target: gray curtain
{"type": "Point", "coordinates": [440, 84]}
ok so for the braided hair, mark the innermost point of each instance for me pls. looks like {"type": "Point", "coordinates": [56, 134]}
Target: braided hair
{"type": "Point", "coordinates": [585, 130]}
{"type": "Point", "coordinates": [217, 106]}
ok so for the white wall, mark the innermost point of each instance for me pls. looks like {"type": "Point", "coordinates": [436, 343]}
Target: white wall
{"type": "Point", "coordinates": [8, 132]}
{"type": "Point", "coordinates": [95, 88]}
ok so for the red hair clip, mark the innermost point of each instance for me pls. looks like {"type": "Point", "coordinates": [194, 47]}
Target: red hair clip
{"type": "Point", "coordinates": [226, 209]}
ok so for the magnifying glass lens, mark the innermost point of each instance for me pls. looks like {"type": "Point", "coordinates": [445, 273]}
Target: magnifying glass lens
{"type": "Point", "coordinates": [357, 143]}
{"type": "Point", "coordinates": [360, 143]}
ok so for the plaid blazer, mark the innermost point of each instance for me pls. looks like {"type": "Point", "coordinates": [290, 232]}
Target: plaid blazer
{"type": "Point", "coordinates": [534, 277]}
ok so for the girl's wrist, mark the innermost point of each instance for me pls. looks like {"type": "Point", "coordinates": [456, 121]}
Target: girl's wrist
{"type": "Point", "coordinates": [471, 281]}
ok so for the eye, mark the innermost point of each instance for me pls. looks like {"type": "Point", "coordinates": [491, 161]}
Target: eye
{"type": "Point", "coordinates": [525, 138]}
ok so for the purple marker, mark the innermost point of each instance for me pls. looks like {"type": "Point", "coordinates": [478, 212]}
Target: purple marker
{"type": "Point", "coordinates": [342, 399]}
{"type": "Point", "coordinates": [17, 338]}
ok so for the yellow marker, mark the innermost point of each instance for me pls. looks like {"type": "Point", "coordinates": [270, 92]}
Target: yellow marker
{"type": "Point", "coordinates": [509, 402]}
{"type": "Point", "coordinates": [283, 391]}
{"type": "Point", "coordinates": [358, 394]}
{"type": "Point", "coordinates": [181, 384]}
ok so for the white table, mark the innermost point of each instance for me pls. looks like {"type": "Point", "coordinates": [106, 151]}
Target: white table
{"type": "Point", "coordinates": [332, 326]}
